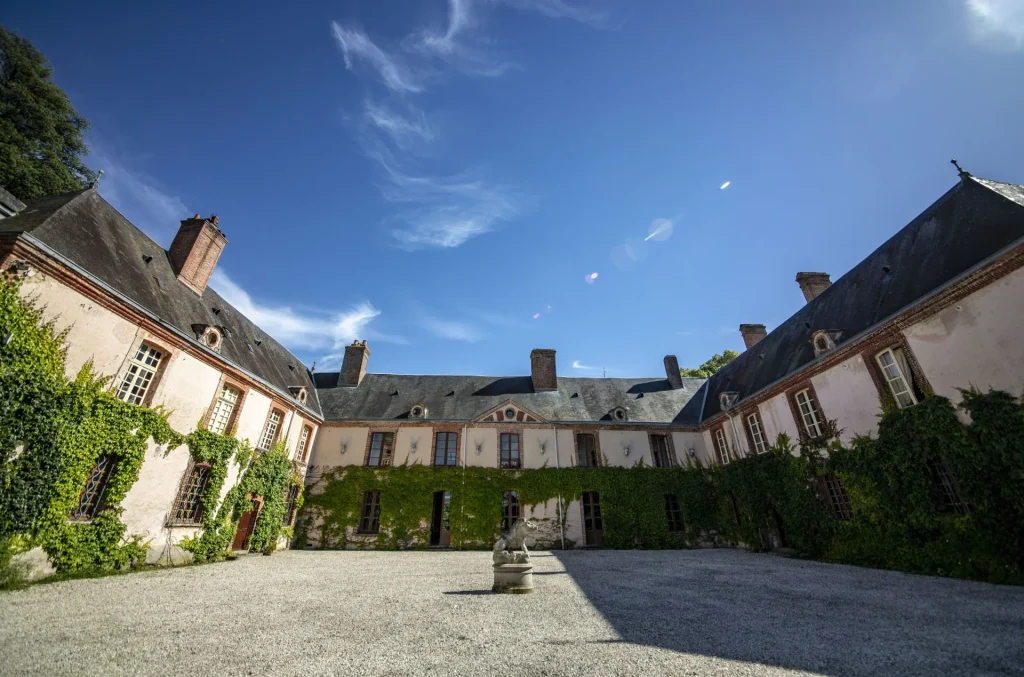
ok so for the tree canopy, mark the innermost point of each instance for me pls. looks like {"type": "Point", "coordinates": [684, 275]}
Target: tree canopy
{"type": "Point", "coordinates": [707, 369]}
{"type": "Point", "coordinates": [41, 134]}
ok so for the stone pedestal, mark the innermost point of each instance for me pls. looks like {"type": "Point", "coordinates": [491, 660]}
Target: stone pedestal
{"type": "Point", "coordinates": [516, 579]}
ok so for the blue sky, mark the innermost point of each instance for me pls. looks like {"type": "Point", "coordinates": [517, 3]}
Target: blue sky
{"type": "Point", "coordinates": [443, 178]}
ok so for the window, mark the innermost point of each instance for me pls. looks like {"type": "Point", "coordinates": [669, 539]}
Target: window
{"type": "Point", "coordinates": [140, 374]}
{"type": "Point", "coordinates": [810, 413]}
{"type": "Point", "coordinates": [289, 514]}
{"type": "Point", "coordinates": [223, 410]}
{"type": "Point", "coordinates": [721, 447]}
{"type": "Point", "coordinates": [446, 448]}
{"type": "Point", "coordinates": [673, 515]}
{"type": "Point", "coordinates": [660, 451]}
{"type": "Point", "coordinates": [586, 450]}
{"type": "Point", "coordinates": [895, 371]}
{"type": "Point", "coordinates": [946, 486]}
{"type": "Point", "coordinates": [369, 518]}
{"type": "Point", "coordinates": [188, 509]}
{"type": "Point", "coordinates": [91, 498]}
{"type": "Point", "coordinates": [510, 451]}
{"type": "Point", "coordinates": [382, 446]}
{"type": "Point", "coordinates": [269, 435]}
{"type": "Point", "coordinates": [509, 510]}
{"type": "Point", "coordinates": [301, 451]}
{"type": "Point", "coordinates": [756, 432]}
{"type": "Point", "coordinates": [838, 498]}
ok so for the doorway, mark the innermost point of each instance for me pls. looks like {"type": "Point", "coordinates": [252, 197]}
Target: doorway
{"type": "Point", "coordinates": [246, 524]}
{"type": "Point", "coordinates": [440, 525]}
{"type": "Point", "coordinates": [593, 527]}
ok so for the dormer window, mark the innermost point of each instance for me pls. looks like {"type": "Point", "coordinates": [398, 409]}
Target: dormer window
{"type": "Point", "coordinates": [299, 393]}
{"type": "Point", "coordinates": [209, 335]}
{"type": "Point", "coordinates": [418, 411]}
{"type": "Point", "coordinates": [727, 399]}
{"type": "Point", "coordinates": [620, 414]}
{"type": "Point", "coordinates": [823, 341]}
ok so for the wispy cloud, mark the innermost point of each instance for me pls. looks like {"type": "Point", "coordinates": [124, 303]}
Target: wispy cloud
{"type": "Point", "coordinates": [458, 46]}
{"type": "Point", "coordinates": [998, 22]}
{"type": "Point", "coordinates": [405, 131]}
{"type": "Point", "coordinates": [137, 196]}
{"type": "Point", "coordinates": [450, 329]}
{"type": "Point", "coordinates": [578, 366]}
{"type": "Point", "coordinates": [356, 46]}
{"type": "Point", "coordinates": [558, 9]}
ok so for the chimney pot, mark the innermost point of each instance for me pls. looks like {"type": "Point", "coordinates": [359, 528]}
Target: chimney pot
{"type": "Point", "coordinates": [675, 379]}
{"type": "Point", "coordinates": [353, 366]}
{"type": "Point", "coordinates": [752, 333]}
{"type": "Point", "coordinates": [194, 252]}
{"type": "Point", "coordinates": [542, 369]}
{"type": "Point", "coordinates": [812, 284]}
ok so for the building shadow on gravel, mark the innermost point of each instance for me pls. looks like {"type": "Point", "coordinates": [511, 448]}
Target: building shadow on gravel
{"type": "Point", "coordinates": [822, 618]}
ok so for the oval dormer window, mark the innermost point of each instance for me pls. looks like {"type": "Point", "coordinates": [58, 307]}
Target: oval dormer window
{"type": "Point", "coordinates": [418, 411]}
{"type": "Point", "coordinates": [510, 413]}
{"type": "Point", "coordinates": [619, 414]}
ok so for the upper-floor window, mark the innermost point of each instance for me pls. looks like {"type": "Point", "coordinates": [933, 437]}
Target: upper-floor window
{"type": "Point", "coordinates": [91, 498]}
{"type": "Point", "coordinates": [721, 446]}
{"type": "Point", "coordinates": [661, 454]}
{"type": "Point", "coordinates": [382, 447]}
{"type": "Point", "coordinates": [897, 375]}
{"type": "Point", "coordinates": [757, 432]}
{"type": "Point", "coordinates": [301, 452]}
{"type": "Point", "coordinates": [271, 430]}
{"type": "Point", "coordinates": [810, 413]}
{"type": "Point", "coordinates": [510, 451]}
{"type": "Point", "coordinates": [586, 450]}
{"type": "Point", "coordinates": [139, 377]}
{"type": "Point", "coordinates": [446, 448]}
{"type": "Point", "coordinates": [224, 409]}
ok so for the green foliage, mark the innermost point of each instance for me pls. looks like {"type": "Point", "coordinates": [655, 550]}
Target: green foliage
{"type": "Point", "coordinates": [41, 134]}
{"type": "Point", "coordinates": [708, 369]}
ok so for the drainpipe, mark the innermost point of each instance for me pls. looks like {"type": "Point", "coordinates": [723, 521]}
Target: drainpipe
{"type": "Point", "coordinates": [462, 508]}
{"type": "Point", "coordinates": [558, 507]}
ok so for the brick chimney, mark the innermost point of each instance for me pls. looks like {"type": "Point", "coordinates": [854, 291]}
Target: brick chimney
{"type": "Point", "coordinates": [812, 284]}
{"type": "Point", "coordinates": [195, 251]}
{"type": "Point", "coordinates": [542, 369]}
{"type": "Point", "coordinates": [752, 333]}
{"type": "Point", "coordinates": [672, 372]}
{"type": "Point", "coordinates": [353, 367]}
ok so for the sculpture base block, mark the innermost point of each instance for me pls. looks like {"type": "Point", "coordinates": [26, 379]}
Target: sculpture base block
{"type": "Point", "coordinates": [515, 579]}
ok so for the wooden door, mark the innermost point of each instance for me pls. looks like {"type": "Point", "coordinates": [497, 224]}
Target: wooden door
{"type": "Point", "coordinates": [440, 526]}
{"type": "Point", "coordinates": [246, 524]}
{"type": "Point", "coordinates": [593, 528]}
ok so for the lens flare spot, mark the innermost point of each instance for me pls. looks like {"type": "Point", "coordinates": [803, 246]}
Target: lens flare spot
{"type": "Point", "coordinates": [660, 230]}
{"type": "Point", "coordinates": [724, 185]}
{"type": "Point", "coordinates": [590, 278]}
{"type": "Point", "coordinates": [536, 316]}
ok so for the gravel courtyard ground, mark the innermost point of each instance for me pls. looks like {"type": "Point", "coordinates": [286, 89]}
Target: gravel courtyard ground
{"type": "Point", "coordinates": [594, 613]}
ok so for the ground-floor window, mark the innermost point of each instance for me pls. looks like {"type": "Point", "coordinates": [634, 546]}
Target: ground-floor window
{"type": "Point", "coordinates": [188, 507]}
{"type": "Point", "coordinates": [593, 525]}
{"type": "Point", "coordinates": [91, 498]}
{"type": "Point", "coordinates": [509, 509]}
{"type": "Point", "coordinates": [837, 497]}
{"type": "Point", "coordinates": [945, 484]}
{"type": "Point", "coordinates": [289, 514]}
{"type": "Point", "coordinates": [673, 515]}
{"type": "Point", "coordinates": [369, 518]}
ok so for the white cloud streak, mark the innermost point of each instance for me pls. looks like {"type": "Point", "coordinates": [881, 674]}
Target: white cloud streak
{"type": "Point", "coordinates": [404, 131]}
{"type": "Point", "coordinates": [559, 9]}
{"type": "Point", "coordinates": [578, 366]}
{"type": "Point", "coordinates": [997, 23]}
{"type": "Point", "coordinates": [449, 329]}
{"type": "Point", "coordinates": [356, 46]}
{"type": "Point", "coordinates": [137, 196]}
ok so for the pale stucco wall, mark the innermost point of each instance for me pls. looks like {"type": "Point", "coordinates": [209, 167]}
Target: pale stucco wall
{"type": "Point", "coordinates": [847, 394]}
{"type": "Point", "coordinates": [615, 442]}
{"type": "Point", "coordinates": [978, 341]}
{"type": "Point", "coordinates": [422, 437]}
{"type": "Point", "coordinates": [481, 447]}
{"type": "Point", "coordinates": [685, 442]}
{"type": "Point", "coordinates": [777, 418]}
{"type": "Point", "coordinates": [96, 333]}
{"type": "Point", "coordinates": [185, 390]}
{"type": "Point", "coordinates": [250, 420]}
{"type": "Point", "coordinates": [574, 524]}
{"type": "Point", "coordinates": [533, 455]}
{"type": "Point", "coordinates": [327, 450]}
{"type": "Point", "coordinates": [566, 449]}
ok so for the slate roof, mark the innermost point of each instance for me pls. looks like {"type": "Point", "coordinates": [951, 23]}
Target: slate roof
{"type": "Point", "coordinates": [973, 221]}
{"type": "Point", "coordinates": [385, 397]}
{"type": "Point", "coordinates": [87, 231]}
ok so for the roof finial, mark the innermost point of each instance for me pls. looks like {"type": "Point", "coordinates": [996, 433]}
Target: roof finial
{"type": "Point", "coordinates": [964, 174]}
{"type": "Point", "coordinates": [96, 182]}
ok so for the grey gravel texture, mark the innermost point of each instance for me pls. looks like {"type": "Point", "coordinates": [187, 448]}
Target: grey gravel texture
{"type": "Point", "coordinates": [593, 613]}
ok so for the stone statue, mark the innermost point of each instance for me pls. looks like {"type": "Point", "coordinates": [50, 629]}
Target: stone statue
{"type": "Point", "coordinates": [505, 550]}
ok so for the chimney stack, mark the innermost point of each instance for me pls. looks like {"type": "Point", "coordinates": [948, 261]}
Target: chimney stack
{"type": "Point", "coordinates": [752, 333]}
{"type": "Point", "coordinates": [542, 369]}
{"type": "Point", "coordinates": [353, 367]}
{"type": "Point", "coordinates": [195, 251]}
{"type": "Point", "coordinates": [812, 284]}
{"type": "Point", "coordinates": [675, 379]}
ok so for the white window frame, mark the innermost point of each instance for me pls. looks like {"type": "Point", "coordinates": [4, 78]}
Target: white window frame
{"type": "Point", "coordinates": [756, 434]}
{"type": "Point", "coordinates": [809, 412]}
{"type": "Point", "coordinates": [303, 441]}
{"type": "Point", "coordinates": [141, 373]}
{"type": "Point", "coordinates": [898, 382]}
{"type": "Point", "coordinates": [270, 430]}
{"type": "Point", "coordinates": [224, 409]}
{"type": "Point", "coordinates": [721, 446]}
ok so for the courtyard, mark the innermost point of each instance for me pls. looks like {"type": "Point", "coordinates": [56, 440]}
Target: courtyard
{"type": "Point", "coordinates": [593, 613]}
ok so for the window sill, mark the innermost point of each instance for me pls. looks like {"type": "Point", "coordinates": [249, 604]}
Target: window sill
{"type": "Point", "coordinates": [367, 533]}
{"type": "Point", "coordinates": [184, 524]}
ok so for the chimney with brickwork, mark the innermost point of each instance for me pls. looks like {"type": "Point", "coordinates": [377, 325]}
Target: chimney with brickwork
{"type": "Point", "coordinates": [752, 333]}
{"type": "Point", "coordinates": [542, 369]}
{"type": "Point", "coordinates": [195, 251]}
{"type": "Point", "coordinates": [675, 379]}
{"type": "Point", "coordinates": [812, 284]}
{"type": "Point", "coordinates": [353, 367]}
